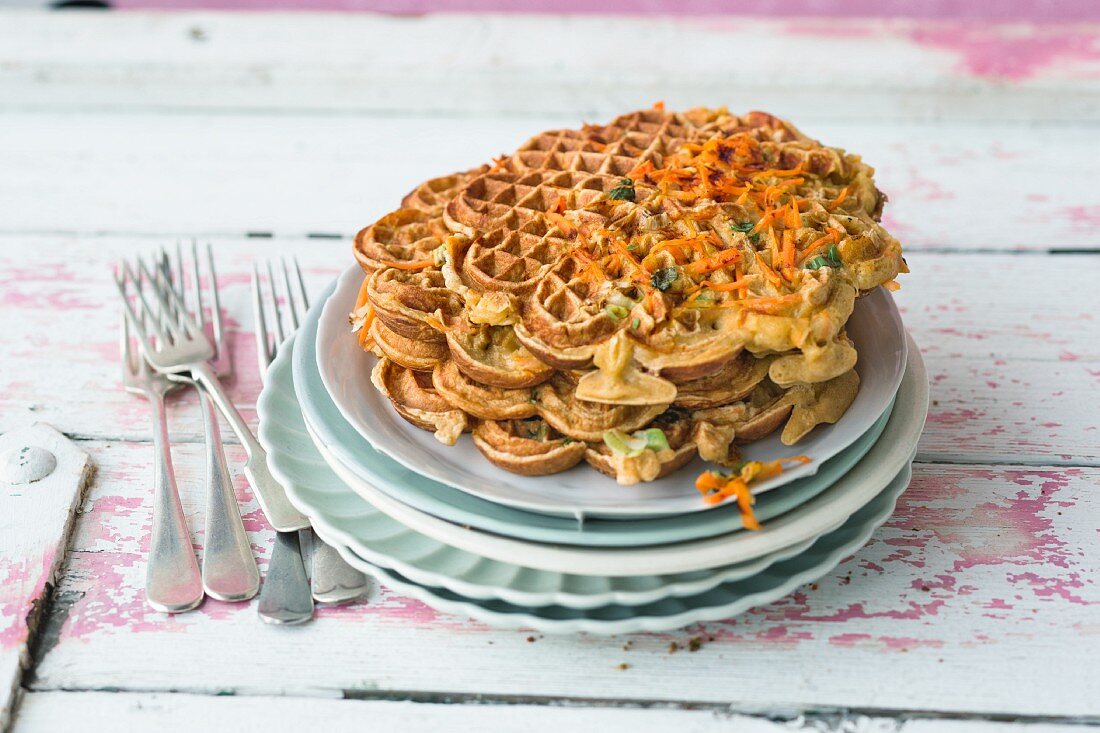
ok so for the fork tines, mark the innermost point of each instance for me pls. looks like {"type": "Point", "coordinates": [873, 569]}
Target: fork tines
{"type": "Point", "coordinates": [294, 301]}
{"type": "Point", "coordinates": [174, 273]}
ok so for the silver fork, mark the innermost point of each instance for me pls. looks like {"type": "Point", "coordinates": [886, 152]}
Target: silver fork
{"type": "Point", "coordinates": [179, 346]}
{"type": "Point", "coordinates": [229, 571]}
{"type": "Point", "coordinates": [172, 579]}
{"type": "Point", "coordinates": [332, 580]}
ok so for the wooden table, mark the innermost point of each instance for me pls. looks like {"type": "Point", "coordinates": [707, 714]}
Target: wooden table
{"type": "Point", "coordinates": [976, 606]}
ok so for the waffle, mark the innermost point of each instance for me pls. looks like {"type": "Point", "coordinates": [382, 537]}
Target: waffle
{"type": "Point", "coordinates": [528, 447]}
{"type": "Point", "coordinates": [415, 399]}
{"type": "Point", "coordinates": [687, 272]}
{"type": "Point", "coordinates": [648, 465]}
{"type": "Point", "coordinates": [480, 400]}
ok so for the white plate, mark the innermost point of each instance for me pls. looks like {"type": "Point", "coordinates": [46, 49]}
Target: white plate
{"type": "Point", "coordinates": [875, 327]}
{"type": "Point", "coordinates": [821, 514]}
{"type": "Point", "coordinates": [721, 602]}
{"type": "Point", "coordinates": [339, 514]}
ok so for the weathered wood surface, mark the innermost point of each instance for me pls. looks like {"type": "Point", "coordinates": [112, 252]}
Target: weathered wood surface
{"type": "Point", "coordinates": [42, 480]}
{"type": "Point", "coordinates": [848, 69]}
{"type": "Point", "coordinates": [121, 132]}
{"type": "Point", "coordinates": [141, 712]}
{"type": "Point", "coordinates": [1011, 378]}
{"type": "Point", "coordinates": [982, 568]}
{"type": "Point", "coordinates": [962, 187]}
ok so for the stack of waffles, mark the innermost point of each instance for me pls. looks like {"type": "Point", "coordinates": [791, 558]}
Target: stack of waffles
{"type": "Point", "coordinates": [630, 294]}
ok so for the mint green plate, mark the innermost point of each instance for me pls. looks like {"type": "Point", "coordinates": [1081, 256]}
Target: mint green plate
{"type": "Point", "coordinates": [346, 520]}
{"type": "Point", "coordinates": [432, 497]}
{"type": "Point", "coordinates": [721, 601]}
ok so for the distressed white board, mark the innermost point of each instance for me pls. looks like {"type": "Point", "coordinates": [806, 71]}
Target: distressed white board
{"type": "Point", "coordinates": [46, 712]}
{"type": "Point", "coordinates": [985, 568]}
{"type": "Point", "coordinates": [960, 186]}
{"type": "Point", "coordinates": [1011, 381]}
{"type": "Point", "coordinates": [845, 68]}
{"type": "Point", "coordinates": [36, 513]}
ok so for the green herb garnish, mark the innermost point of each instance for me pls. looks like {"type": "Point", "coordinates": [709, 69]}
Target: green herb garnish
{"type": "Point", "coordinates": [635, 323]}
{"type": "Point", "coordinates": [624, 191]}
{"type": "Point", "coordinates": [662, 279]}
{"type": "Point", "coordinates": [829, 259]}
{"type": "Point", "coordinates": [745, 227]}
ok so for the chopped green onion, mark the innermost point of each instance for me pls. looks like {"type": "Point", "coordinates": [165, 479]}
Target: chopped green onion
{"type": "Point", "coordinates": [620, 299]}
{"type": "Point", "coordinates": [636, 323]}
{"type": "Point", "coordinates": [623, 444]}
{"type": "Point", "coordinates": [655, 439]}
{"type": "Point", "coordinates": [634, 445]}
{"type": "Point", "coordinates": [830, 259]}
{"type": "Point", "coordinates": [617, 312]}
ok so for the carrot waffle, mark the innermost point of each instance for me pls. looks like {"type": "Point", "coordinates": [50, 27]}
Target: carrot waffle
{"type": "Point", "coordinates": [631, 294]}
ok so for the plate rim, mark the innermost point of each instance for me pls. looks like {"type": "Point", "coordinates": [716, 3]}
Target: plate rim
{"type": "Point", "coordinates": [347, 280]}
{"type": "Point", "coordinates": [320, 419]}
{"type": "Point", "coordinates": [469, 608]}
{"type": "Point", "coordinates": [680, 557]}
{"type": "Point", "coordinates": [274, 434]}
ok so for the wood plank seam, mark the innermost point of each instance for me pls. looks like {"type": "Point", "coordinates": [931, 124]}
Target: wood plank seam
{"type": "Point", "coordinates": [814, 717]}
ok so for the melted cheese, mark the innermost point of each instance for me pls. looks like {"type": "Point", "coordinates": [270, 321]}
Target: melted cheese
{"type": "Point", "coordinates": [494, 309]}
{"type": "Point", "coordinates": [617, 381]}
{"type": "Point", "coordinates": [630, 470]}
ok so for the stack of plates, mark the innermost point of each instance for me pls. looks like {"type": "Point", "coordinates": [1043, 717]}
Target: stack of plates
{"type": "Point", "coordinates": [575, 551]}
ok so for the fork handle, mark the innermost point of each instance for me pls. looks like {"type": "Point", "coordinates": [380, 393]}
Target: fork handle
{"type": "Point", "coordinates": [172, 579]}
{"type": "Point", "coordinates": [229, 571]}
{"type": "Point", "coordinates": [280, 513]}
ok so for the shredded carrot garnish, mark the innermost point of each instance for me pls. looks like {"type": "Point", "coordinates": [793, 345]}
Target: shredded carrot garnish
{"type": "Point", "coordinates": [498, 163]}
{"type": "Point", "coordinates": [771, 275]}
{"type": "Point", "coordinates": [561, 222]}
{"type": "Point", "coordinates": [409, 265]}
{"type": "Point", "coordinates": [832, 237]}
{"type": "Point", "coordinates": [640, 170]}
{"type": "Point", "coordinates": [722, 259]}
{"type": "Point", "coordinates": [361, 298]}
{"type": "Point", "coordinates": [839, 199]}
{"type": "Point", "coordinates": [788, 248]}
{"type": "Point", "coordinates": [792, 219]}
{"type": "Point", "coordinates": [659, 105]}
{"type": "Point", "coordinates": [771, 305]}
{"type": "Point", "coordinates": [716, 487]}
{"type": "Point", "coordinates": [364, 331]}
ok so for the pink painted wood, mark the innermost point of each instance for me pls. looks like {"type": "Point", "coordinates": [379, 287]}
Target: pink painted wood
{"type": "Point", "coordinates": [995, 10]}
{"type": "Point", "coordinates": [979, 596]}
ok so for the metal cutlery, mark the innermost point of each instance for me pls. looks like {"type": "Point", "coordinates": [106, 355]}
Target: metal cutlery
{"type": "Point", "coordinates": [331, 579]}
{"type": "Point", "coordinates": [229, 571]}
{"type": "Point", "coordinates": [173, 582]}
{"type": "Point", "coordinates": [179, 346]}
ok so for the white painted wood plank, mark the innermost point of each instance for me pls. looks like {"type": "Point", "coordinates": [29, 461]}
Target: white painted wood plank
{"type": "Point", "coordinates": [982, 568]}
{"type": "Point", "coordinates": [42, 479]}
{"type": "Point", "coordinates": [1013, 368]}
{"type": "Point", "coordinates": [43, 712]}
{"type": "Point", "coordinates": [958, 186]}
{"type": "Point", "coordinates": [840, 69]}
